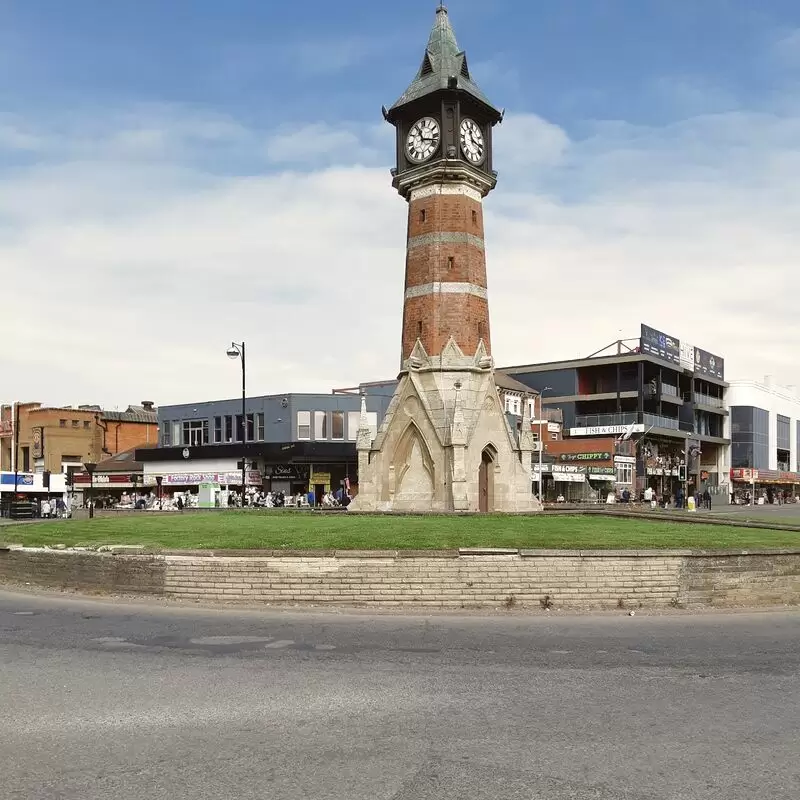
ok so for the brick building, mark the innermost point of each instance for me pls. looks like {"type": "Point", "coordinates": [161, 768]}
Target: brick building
{"type": "Point", "coordinates": [63, 439]}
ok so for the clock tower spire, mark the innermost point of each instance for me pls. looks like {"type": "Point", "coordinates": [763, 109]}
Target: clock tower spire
{"type": "Point", "coordinates": [444, 170]}
{"type": "Point", "coordinates": [445, 443]}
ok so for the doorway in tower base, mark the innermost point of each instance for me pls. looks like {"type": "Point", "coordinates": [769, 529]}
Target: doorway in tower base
{"type": "Point", "coordinates": [486, 479]}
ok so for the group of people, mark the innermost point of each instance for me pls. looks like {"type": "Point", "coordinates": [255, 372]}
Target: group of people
{"type": "Point", "coordinates": [664, 500]}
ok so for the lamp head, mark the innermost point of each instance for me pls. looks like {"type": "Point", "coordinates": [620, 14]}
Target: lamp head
{"type": "Point", "coordinates": [232, 352]}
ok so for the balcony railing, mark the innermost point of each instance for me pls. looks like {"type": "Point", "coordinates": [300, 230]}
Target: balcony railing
{"type": "Point", "coordinates": [708, 400]}
{"type": "Point", "coordinates": [630, 418]}
{"type": "Point", "coordinates": [670, 390]}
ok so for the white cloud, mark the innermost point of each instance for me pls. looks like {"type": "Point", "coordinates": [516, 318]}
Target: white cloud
{"type": "Point", "coordinates": [787, 49]}
{"type": "Point", "coordinates": [130, 264]}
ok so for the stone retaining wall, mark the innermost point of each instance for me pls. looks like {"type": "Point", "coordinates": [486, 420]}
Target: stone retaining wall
{"type": "Point", "coordinates": [453, 579]}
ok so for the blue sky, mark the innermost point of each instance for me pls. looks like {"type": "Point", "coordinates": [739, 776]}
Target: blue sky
{"type": "Point", "coordinates": [565, 60]}
{"type": "Point", "coordinates": [155, 150]}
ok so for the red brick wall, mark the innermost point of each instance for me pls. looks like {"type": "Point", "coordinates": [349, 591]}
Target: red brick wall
{"type": "Point", "coordinates": [126, 435]}
{"type": "Point", "coordinates": [465, 317]}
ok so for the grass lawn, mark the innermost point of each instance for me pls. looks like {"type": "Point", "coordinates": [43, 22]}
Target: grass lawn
{"type": "Point", "coordinates": [274, 530]}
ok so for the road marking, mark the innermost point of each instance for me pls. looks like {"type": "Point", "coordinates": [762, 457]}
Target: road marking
{"type": "Point", "coordinates": [279, 645]}
{"type": "Point", "coordinates": [23, 613]}
{"type": "Point", "coordinates": [230, 639]}
{"type": "Point", "coordinates": [324, 647]}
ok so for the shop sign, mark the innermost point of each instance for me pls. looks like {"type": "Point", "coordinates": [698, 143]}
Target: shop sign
{"type": "Point", "coordinates": [606, 430]}
{"type": "Point", "coordinates": [288, 472]}
{"type": "Point", "coordinates": [100, 478]}
{"type": "Point", "coordinates": [544, 468]}
{"type": "Point", "coordinates": [585, 456]}
{"type": "Point", "coordinates": [23, 479]}
{"type": "Point", "coordinates": [744, 475]}
{"type": "Point", "coordinates": [320, 477]}
{"type": "Point", "coordinates": [687, 356]}
{"type": "Point", "coordinates": [595, 472]}
{"type": "Point", "coordinates": [568, 468]}
{"type": "Point", "coordinates": [37, 442]}
{"type": "Point", "coordinates": [253, 478]}
{"type": "Point", "coordinates": [708, 364]}
{"type": "Point", "coordinates": [624, 460]}
{"type": "Point", "coordinates": [656, 343]}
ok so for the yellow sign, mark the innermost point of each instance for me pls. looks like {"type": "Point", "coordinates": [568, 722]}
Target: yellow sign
{"type": "Point", "coordinates": [321, 477]}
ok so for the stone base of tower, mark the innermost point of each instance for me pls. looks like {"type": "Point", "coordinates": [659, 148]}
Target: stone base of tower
{"type": "Point", "coordinates": [445, 444]}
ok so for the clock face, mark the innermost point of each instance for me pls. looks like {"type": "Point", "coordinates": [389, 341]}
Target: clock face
{"type": "Point", "coordinates": [472, 145]}
{"type": "Point", "coordinates": [423, 139]}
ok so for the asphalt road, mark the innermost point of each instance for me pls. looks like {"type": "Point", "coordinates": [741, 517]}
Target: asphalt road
{"type": "Point", "coordinates": [127, 700]}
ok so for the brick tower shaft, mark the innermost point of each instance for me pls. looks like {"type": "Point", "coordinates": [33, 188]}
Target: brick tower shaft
{"type": "Point", "coordinates": [445, 281]}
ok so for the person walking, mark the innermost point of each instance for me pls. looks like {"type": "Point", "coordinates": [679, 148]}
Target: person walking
{"type": "Point", "coordinates": [707, 499]}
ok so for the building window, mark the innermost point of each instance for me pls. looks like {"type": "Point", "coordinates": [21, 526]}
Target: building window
{"type": "Point", "coordinates": [532, 408]}
{"type": "Point", "coordinates": [239, 428]}
{"type": "Point", "coordinates": [176, 433]}
{"type": "Point", "coordinates": [749, 437]}
{"type": "Point", "coordinates": [513, 405]}
{"type": "Point", "coordinates": [353, 422]}
{"type": "Point", "coordinates": [251, 427]}
{"type": "Point", "coordinates": [474, 217]}
{"type": "Point", "coordinates": [422, 215]}
{"type": "Point", "coordinates": [195, 432]}
{"type": "Point", "coordinates": [451, 262]}
{"type": "Point", "coordinates": [303, 424]}
{"type": "Point", "coordinates": [217, 430]}
{"type": "Point", "coordinates": [260, 427]}
{"type": "Point", "coordinates": [229, 428]}
{"type": "Point", "coordinates": [86, 424]}
{"type": "Point", "coordinates": [320, 425]}
{"type": "Point", "coordinates": [625, 474]}
{"type": "Point", "coordinates": [337, 424]}
{"type": "Point", "coordinates": [76, 423]}
{"type": "Point", "coordinates": [26, 459]}
{"type": "Point", "coordinates": [165, 435]}
{"type": "Point", "coordinates": [62, 423]}
{"type": "Point", "coordinates": [419, 329]}
{"type": "Point", "coordinates": [784, 432]}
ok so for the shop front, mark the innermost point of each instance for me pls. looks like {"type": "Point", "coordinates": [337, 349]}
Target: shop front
{"type": "Point", "coordinates": [574, 483]}
{"type": "Point", "coordinates": [30, 489]}
{"type": "Point", "coordinates": [108, 489]}
{"type": "Point", "coordinates": [764, 486]}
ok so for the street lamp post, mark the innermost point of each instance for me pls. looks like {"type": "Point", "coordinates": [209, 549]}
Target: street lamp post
{"type": "Point", "coordinates": [90, 468]}
{"type": "Point", "coordinates": [237, 350]}
{"type": "Point", "coordinates": [541, 440]}
{"type": "Point", "coordinates": [159, 479]}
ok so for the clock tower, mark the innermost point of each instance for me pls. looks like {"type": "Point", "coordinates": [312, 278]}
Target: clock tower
{"type": "Point", "coordinates": [445, 443]}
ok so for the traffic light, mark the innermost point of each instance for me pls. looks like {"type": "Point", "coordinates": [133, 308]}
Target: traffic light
{"type": "Point", "coordinates": [682, 473]}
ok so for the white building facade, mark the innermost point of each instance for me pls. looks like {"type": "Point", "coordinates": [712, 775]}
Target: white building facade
{"type": "Point", "coordinates": [764, 429]}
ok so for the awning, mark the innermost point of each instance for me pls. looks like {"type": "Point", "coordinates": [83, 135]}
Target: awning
{"type": "Point", "coordinates": [569, 477]}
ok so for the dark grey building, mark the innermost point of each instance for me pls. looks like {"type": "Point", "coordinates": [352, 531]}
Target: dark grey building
{"type": "Point", "coordinates": [290, 442]}
{"type": "Point", "coordinates": [670, 399]}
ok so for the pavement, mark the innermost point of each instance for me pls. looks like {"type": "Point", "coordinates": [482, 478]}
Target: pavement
{"type": "Point", "coordinates": [117, 699]}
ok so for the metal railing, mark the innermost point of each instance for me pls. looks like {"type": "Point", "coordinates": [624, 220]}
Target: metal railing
{"type": "Point", "coordinates": [708, 400]}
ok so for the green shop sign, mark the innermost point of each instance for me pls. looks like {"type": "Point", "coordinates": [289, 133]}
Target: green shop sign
{"type": "Point", "coordinates": [585, 457]}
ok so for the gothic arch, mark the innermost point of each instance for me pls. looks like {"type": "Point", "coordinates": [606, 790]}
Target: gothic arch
{"type": "Point", "coordinates": [405, 445]}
